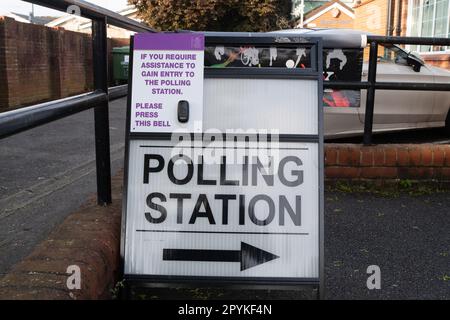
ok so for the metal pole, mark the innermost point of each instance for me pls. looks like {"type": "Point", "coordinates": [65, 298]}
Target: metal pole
{"type": "Point", "coordinates": [389, 19]}
{"type": "Point", "coordinates": [302, 13]}
{"type": "Point", "coordinates": [370, 101]}
{"type": "Point", "coordinates": [101, 116]}
{"type": "Point", "coordinates": [398, 9]}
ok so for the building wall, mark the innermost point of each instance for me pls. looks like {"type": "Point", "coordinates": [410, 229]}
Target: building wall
{"type": "Point", "coordinates": [371, 16]}
{"type": "Point", "coordinates": [328, 21]}
{"type": "Point", "coordinates": [39, 63]}
{"type": "Point", "coordinates": [404, 17]}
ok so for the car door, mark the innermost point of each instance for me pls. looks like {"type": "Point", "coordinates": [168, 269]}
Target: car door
{"type": "Point", "coordinates": [398, 109]}
{"type": "Point", "coordinates": [441, 98]}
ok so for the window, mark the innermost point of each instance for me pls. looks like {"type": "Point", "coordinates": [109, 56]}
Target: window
{"type": "Point", "coordinates": [429, 18]}
{"type": "Point", "coordinates": [393, 54]}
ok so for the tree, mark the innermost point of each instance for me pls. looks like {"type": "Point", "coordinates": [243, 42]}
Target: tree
{"type": "Point", "coordinates": [215, 15]}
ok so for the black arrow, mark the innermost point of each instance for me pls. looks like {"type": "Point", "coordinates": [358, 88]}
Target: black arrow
{"type": "Point", "coordinates": [249, 256]}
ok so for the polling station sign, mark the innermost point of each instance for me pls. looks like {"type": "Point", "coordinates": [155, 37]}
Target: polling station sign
{"type": "Point", "coordinates": [226, 216]}
{"type": "Point", "coordinates": [242, 200]}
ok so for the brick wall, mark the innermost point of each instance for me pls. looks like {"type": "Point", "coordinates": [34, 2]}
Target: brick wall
{"type": "Point", "coordinates": [39, 64]}
{"type": "Point", "coordinates": [437, 60]}
{"type": "Point", "coordinates": [75, 62]}
{"type": "Point", "coordinates": [42, 63]}
{"type": "Point", "coordinates": [371, 16]}
{"type": "Point", "coordinates": [413, 161]}
{"type": "Point", "coordinates": [3, 74]}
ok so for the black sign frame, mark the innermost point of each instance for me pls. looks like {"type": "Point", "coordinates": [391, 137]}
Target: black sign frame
{"type": "Point", "coordinates": [314, 73]}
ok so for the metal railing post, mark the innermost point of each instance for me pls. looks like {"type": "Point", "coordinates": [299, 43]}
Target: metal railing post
{"type": "Point", "coordinates": [101, 113]}
{"type": "Point", "coordinates": [370, 100]}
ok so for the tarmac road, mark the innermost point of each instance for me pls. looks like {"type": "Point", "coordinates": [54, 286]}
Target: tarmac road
{"type": "Point", "coordinates": [407, 236]}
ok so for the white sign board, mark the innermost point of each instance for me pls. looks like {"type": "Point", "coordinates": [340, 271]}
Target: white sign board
{"type": "Point", "coordinates": [224, 208]}
{"type": "Point", "coordinates": [167, 68]}
{"type": "Point", "coordinates": [231, 218]}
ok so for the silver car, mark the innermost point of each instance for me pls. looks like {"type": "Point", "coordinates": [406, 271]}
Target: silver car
{"type": "Point", "coordinates": [394, 110]}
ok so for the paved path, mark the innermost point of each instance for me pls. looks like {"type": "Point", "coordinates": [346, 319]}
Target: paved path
{"type": "Point", "coordinates": [408, 237]}
{"type": "Point", "coordinates": [47, 173]}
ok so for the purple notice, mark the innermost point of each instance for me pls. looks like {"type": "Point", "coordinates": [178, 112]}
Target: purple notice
{"type": "Point", "coordinates": [169, 41]}
{"type": "Point", "coordinates": [167, 68]}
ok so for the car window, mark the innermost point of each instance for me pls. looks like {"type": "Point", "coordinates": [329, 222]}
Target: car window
{"type": "Point", "coordinates": [393, 54]}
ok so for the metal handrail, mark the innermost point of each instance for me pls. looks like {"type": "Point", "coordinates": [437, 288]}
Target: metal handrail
{"type": "Point", "coordinates": [409, 40]}
{"type": "Point", "coordinates": [385, 85]}
{"type": "Point", "coordinates": [373, 85]}
{"type": "Point", "coordinates": [15, 121]}
{"type": "Point", "coordinates": [117, 92]}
